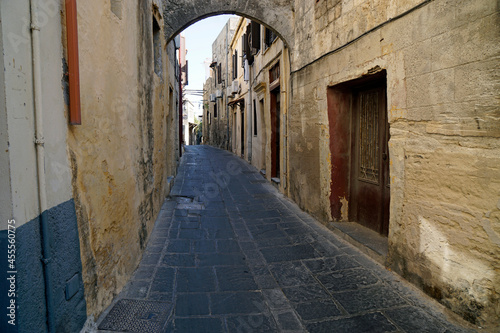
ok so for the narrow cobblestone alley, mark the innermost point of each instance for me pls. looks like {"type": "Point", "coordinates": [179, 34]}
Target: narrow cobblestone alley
{"type": "Point", "coordinates": [229, 253]}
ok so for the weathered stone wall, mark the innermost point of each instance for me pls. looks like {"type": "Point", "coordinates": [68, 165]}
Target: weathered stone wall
{"type": "Point", "coordinates": [217, 131]}
{"type": "Point", "coordinates": [278, 14]}
{"type": "Point", "coordinates": [119, 154]}
{"type": "Point", "coordinates": [442, 87]}
{"type": "Point", "coordinates": [265, 59]}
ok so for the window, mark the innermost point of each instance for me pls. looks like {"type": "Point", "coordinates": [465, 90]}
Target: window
{"type": "Point", "coordinates": [255, 37]}
{"type": "Point", "coordinates": [244, 46]}
{"type": "Point", "coordinates": [157, 48]}
{"type": "Point", "coordinates": [274, 73]}
{"type": "Point", "coordinates": [219, 74]}
{"type": "Point", "coordinates": [270, 37]}
{"type": "Point", "coordinates": [235, 65]}
{"type": "Point", "coordinates": [215, 110]}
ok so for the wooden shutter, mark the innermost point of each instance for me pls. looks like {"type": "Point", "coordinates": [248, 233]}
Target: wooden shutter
{"type": "Point", "coordinates": [248, 47]}
{"type": "Point", "coordinates": [255, 36]}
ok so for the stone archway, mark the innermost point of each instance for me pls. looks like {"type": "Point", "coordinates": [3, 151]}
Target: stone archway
{"type": "Point", "coordinates": [276, 14]}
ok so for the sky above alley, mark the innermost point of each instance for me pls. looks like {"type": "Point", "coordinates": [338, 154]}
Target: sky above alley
{"type": "Point", "coordinates": [199, 39]}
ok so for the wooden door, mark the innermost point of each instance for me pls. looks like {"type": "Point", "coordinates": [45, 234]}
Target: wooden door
{"type": "Point", "coordinates": [242, 132]}
{"type": "Point", "coordinates": [275, 132]}
{"type": "Point", "coordinates": [370, 181]}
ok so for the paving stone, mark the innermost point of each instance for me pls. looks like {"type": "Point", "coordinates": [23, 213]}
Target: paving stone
{"type": "Point", "coordinates": [275, 298]}
{"type": "Point", "coordinates": [204, 246]}
{"type": "Point", "coordinates": [191, 305]}
{"type": "Point", "coordinates": [292, 274]}
{"type": "Point", "coordinates": [368, 323]}
{"type": "Point", "coordinates": [221, 259]}
{"type": "Point", "coordinates": [173, 233]}
{"type": "Point", "coordinates": [318, 309]}
{"type": "Point", "coordinates": [347, 279]}
{"type": "Point", "coordinates": [247, 245]}
{"type": "Point", "coordinates": [376, 297]}
{"type": "Point", "coordinates": [179, 246]}
{"type": "Point", "coordinates": [288, 321]}
{"type": "Point", "coordinates": [155, 248]}
{"type": "Point", "coordinates": [227, 246]}
{"type": "Point", "coordinates": [286, 253]}
{"type": "Point", "coordinates": [181, 212]}
{"type": "Point", "coordinates": [414, 320]}
{"type": "Point", "coordinates": [138, 289]}
{"type": "Point", "coordinates": [160, 296]}
{"type": "Point", "coordinates": [150, 259]}
{"type": "Point", "coordinates": [233, 278]}
{"type": "Point", "coordinates": [306, 293]}
{"type": "Point", "coordinates": [264, 243]}
{"type": "Point", "coordinates": [144, 273]}
{"type": "Point", "coordinates": [324, 265]}
{"type": "Point", "coordinates": [180, 260]}
{"type": "Point", "coordinates": [191, 325]}
{"type": "Point", "coordinates": [266, 282]}
{"type": "Point", "coordinates": [190, 225]}
{"type": "Point", "coordinates": [164, 280]}
{"type": "Point", "coordinates": [237, 303]}
{"type": "Point", "coordinates": [251, 323]}
{"type": "Point", "coordinates": [261, 214]}
{"type": "Point", "coordinates": [193, 234]}
{"type": "Point", "coordinates": [195, 279]}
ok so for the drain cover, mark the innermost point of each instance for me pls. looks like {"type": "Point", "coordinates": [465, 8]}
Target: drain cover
{"type": "Point", "coordinates": [130, 315]}
{"type": "Point", "coordinates": [262, 181]}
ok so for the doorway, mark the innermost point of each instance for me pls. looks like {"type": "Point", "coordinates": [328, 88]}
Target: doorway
{"type": "Point", "coordinates": [275, 132]}
{"type": "Point", "coordinates": [370, 182]}
{"type": "Point", "coordinates": [242, 131]}
{"type": "Point", "coordinates": [359, 136]}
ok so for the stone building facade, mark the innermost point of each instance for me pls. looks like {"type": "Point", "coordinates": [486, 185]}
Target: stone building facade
{"type": "Point", "coordinates": [399, 100]}
{"type": "Point", "coordinates": [259, 72]}
{"type": "Point", "coordinates": [396, 98]}
{"type": "Point", "coordinates": [84, 198]}
{"type": "Point", "coordinates": [216, 118]}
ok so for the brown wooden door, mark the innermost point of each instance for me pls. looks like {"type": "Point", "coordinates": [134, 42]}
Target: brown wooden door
{"type": "Point", "coordinates": [370, 192]}
{"type": "Point", "coordinates": [275, 132]}
{"type": "Point", "coordinates": [242, 131]}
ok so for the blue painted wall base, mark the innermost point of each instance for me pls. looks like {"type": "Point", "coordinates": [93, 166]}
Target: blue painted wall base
{"type": "Point", "coordinates": [65, 268]}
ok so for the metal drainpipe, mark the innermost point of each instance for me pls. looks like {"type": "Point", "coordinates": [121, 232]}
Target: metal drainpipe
{"type": "Point", "coordinates": [40, 154]}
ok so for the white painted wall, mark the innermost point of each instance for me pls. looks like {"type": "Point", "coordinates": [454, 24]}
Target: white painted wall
{"type": "Point", "coordinates": [5, 193]}
{"type": "Point", "coordinates": [58, 172]}
{"type": "Point", "coordinates": [18, 164]}
{"type": "Point", "coordinates": [19, 108]}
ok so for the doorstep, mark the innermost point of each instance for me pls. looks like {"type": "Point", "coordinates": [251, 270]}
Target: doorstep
{"type": "Point", "coordinates": [366, 240]}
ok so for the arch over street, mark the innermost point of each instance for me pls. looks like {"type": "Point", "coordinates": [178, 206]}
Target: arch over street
{"type": "Point", "coordinates": [276, 14]}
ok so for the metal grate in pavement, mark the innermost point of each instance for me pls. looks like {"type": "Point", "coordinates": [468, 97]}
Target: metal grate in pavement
{"type": "Point", "coordinates": [130, 315]}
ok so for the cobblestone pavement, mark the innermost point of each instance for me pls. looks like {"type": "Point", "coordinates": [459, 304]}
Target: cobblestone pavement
{"type": "Point", "coordinates": [229, 253]}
